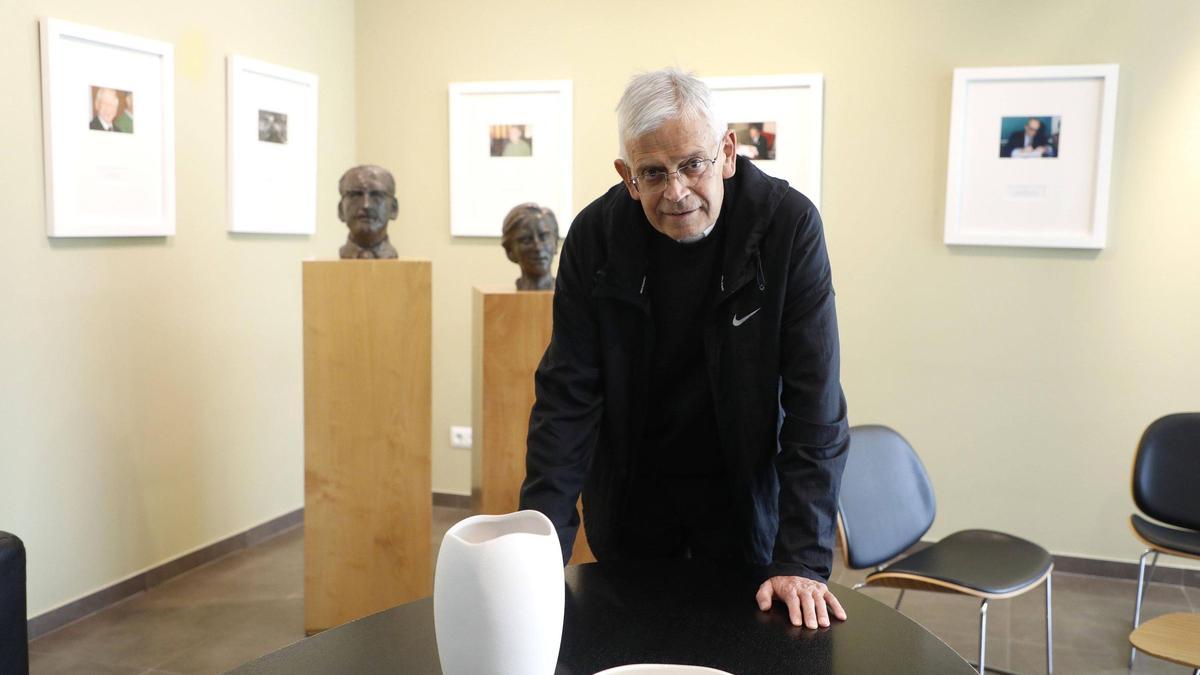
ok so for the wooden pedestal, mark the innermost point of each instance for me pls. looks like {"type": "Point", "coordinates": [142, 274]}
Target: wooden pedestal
{"type": "Point", "coordinates": [367, 412]}
{"type": "Point", "coordinates": [511, 332]}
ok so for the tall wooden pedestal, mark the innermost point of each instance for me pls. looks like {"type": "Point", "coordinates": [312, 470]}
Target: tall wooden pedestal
{"type": "Point", "coordinates": [367, 411]}
{"type": "Point", "coordinates": [511, 332]}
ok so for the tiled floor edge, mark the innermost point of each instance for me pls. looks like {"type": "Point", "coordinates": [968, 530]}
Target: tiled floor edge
{"type": "Point", "coordinates": [1119, 569]}
{"type": "Point", "coordinates": [110, 595]}
{"type": "Point", "coordinates": [56, 618]}
{"type": "Point", "coordinates": [1111, 569]}
{"type": "Point", "coordinates": [452, 500]}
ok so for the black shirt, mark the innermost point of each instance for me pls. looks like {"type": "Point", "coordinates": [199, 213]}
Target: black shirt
{"type": "Point", "coordinates": [681, 429]}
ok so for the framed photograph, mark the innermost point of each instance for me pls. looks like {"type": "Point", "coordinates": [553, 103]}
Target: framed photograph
{"type": "Point", "coordinates": [108, 125]}
{"type": "Point", "coordinates": [272, 137]}
{"type": "Point", "coordinates": [510, 143]}
{"type": "Point", "coordinates": [778, 122]}
{"type": "Point", "coordinates": [1030, 156]}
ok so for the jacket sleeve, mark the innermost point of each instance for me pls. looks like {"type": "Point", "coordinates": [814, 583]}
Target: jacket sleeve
{"type": "Point", "coordinates": [566, 412]}
{"type": "Point", "coordinates": [813, 436]}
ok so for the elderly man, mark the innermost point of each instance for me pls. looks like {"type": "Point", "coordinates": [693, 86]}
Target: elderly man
{"type": "Point", "coordinates": [690, 389]}
{"type": "Point", "coordinates": [368, 203]}
{"type": "Point", "coordinates": [1029, 141]}
{"type": "Point", "coordinates": [105, 109]}
{"type": "Point", "coordinates": [762, 149]}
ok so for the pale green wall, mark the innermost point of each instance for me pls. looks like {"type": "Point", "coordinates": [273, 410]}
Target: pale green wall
{"type": "Point", "coordinates": [1024, 377]}
{"type": "Point", "coordinates": [150, 389]}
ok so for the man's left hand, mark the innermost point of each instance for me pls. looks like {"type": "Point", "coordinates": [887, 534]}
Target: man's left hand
{"type": "Point", "coordinates": [808, 601]}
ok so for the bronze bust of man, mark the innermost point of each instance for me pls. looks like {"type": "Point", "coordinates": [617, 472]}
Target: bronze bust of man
{"type": "Point", "coordinates": [530, 238]}
{"type": "Point", "coordinates": [368, 203]}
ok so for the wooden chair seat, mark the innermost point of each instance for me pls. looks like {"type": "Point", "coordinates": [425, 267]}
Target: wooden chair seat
{"type": "Point", "coordinates": [1171, 637]}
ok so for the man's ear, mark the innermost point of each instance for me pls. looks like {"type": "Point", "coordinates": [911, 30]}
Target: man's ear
{"type": "Point", "coordinates": [729, 154]}
{"type": "Point", "coordinates": [623, 170]}
{"type": "Point", "coordinates": [341, 212]}
{"type": "Point", "coordinates": [394, 212]}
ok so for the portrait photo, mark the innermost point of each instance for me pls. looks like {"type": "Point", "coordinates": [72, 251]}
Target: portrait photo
{"type": "Point", "coordinates": [1000, 115]}
{"type": "Point", "coordinates": [112, 110]}
{"type": "Point", "coordinates": [755, 140]}
{"type": "Point", "coordinates": [271, 113]}
{"type": "Point", "coordinates": [492, 155]}
{"type": "Point", "coordinates": [1030, 136]}
{"type": "Point", "coordinates": [511, 140]}
{"type": "Point", "coordinates": [272, 127]}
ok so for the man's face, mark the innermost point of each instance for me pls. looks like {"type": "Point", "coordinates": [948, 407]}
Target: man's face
{"type": "Point", "coordinates": [515, 133]}
{"type": "Point", "coordinates": [754, 133]}
{"type": "Point", "coordinates": [1032, 126]}
{"type": "Point", "coordinates": [533, 246]}
{"type": "Point", "coordinates": [678, 210]}
{"type": "Point", "coordinates": [106, 106]}
{"type": "Point", "coordinates": [367, 204]}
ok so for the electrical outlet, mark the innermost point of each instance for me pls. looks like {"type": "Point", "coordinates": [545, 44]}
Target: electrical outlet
{"type": "Point", "coordinates": [460, 437]}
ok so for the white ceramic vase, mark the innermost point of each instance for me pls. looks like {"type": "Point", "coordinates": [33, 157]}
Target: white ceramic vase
{"type": "Point", "coordinates": [498, 596]}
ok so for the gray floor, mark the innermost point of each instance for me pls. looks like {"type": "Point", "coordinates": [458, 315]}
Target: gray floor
{"type": "Point", "coordinates": [250, 603]}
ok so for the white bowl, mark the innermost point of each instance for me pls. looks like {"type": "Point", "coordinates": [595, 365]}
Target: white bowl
{"type": "Point", "coordinates": [661, 669]}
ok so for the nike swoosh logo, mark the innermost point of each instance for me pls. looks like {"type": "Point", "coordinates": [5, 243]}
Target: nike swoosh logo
{"type": "Point", "coordinates": [737, 322]}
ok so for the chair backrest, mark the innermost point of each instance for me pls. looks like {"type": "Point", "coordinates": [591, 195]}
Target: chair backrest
{"type": "Point", "coordinates": [886, 502]}
{"type": "Point", "coordinates": [1166, 473]}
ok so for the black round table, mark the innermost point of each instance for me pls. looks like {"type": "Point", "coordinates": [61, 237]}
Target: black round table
{"type": "Point", "coordinates": [679, 611]}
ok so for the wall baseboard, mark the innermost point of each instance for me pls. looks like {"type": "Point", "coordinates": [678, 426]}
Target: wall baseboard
{"type": "Point", "coordinates": [1118, 569]}
{"type": "Point", "coordinates": [73, 611]}
{"type": "Point", "coordinates": [452, 500]}
{"type": "Point", "coordinates": [110, 595]}
{"type": "Point", "coordinates": [1110, 569]}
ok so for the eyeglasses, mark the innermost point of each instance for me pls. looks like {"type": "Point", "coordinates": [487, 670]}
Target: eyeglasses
{"type": "Point", "coordinates": [653, 181]}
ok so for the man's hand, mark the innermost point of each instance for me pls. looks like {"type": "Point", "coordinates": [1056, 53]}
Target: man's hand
{"type": "Point", "coordinates": [805, 599]}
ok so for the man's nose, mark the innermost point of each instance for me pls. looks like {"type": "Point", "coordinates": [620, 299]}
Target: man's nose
{"type": "Point", "coordinates": [677, 187]}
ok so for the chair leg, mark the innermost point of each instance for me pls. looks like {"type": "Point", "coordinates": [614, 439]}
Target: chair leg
{"type": "Point", "coordinates": [898, 599]}
{"type": "Point", "coordinates": [982, 634]}
{"type": "Point", "coordinates": [1153, 564]}
{"type": "Point", "coordinates": [1137, 607]}
{"type": "Point", "coordinates": [1049, 625]}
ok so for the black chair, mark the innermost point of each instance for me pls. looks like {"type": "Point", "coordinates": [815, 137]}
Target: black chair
{"type": "Point", "coordinates": [1166, 487]}
{"type": "Point", "coordinates": [887, 505]}
{"type": "Point", "coordinates": [14, 638]}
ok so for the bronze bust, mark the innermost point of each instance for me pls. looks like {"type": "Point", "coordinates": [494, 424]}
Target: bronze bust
{"type": "Point", "coordinates": [368, 203]}
{"type": "Point", "coordinates": [530, 238]}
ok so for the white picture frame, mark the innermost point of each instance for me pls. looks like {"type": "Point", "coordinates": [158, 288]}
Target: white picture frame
{"type": "Point", "coordinates": [794, 105]}
{"type": "Point", "coordinates": [110, 172]}
{"type": "Point", "coordinates": [272, 148]}
{"type": "Point", "coordinates": [490, 173]}
{"type": "Point", "coordinates": [1052, 191]}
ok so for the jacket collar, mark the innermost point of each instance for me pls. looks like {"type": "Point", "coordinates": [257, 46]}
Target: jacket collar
{"type": "Point", "coordinates": [751, 198]}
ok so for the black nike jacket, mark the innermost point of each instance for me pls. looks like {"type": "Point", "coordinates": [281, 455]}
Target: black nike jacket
{"type": "Point", "coordinates": [771, 351]}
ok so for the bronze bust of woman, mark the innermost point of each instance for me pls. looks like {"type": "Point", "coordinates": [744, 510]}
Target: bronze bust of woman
{"type": "Point", "coordinates": [530, 238]}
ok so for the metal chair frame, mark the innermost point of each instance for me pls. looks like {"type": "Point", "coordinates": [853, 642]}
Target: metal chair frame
{"type": "Point", "coordinates": [1155, 549]}
{"type": "Point", "coordinates": [917, 583]}
{"type": "Point", "coordinates": [983, 607]}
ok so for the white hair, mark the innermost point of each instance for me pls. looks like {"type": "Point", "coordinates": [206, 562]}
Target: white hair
{"type": "Point", "coordinates": [651, 99]}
